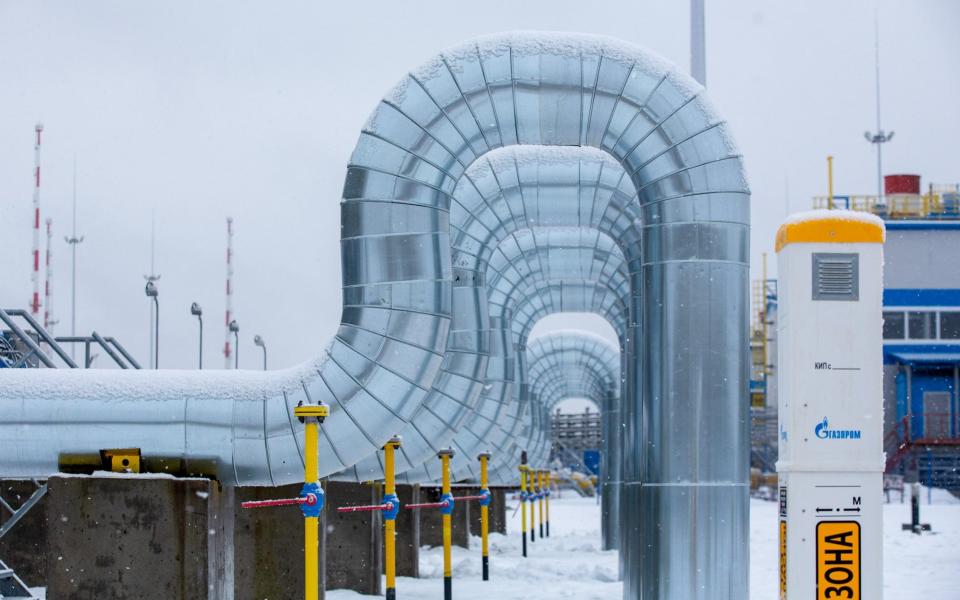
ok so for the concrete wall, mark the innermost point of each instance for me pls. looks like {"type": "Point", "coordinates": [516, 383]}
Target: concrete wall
{"type": "Point", "coordinates": [188, 538]}
{"type": "Point", "coordinates": [498, 510]}
{"type": "Point", "coordinates": [354, 541]}
{"type": "Point", "coordinates": [408, 533]}
{"type": "Point", "coordinates": [145, 538]}
{"type": "Point", "coordinates": [268, 546]}
{"type": "Point", "coordinates": [431, 523]}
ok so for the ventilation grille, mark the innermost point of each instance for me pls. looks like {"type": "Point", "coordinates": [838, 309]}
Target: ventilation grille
{"type": "Point", "coordinates": [836, 276]}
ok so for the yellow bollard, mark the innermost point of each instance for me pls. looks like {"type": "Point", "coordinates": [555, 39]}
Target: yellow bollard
{"type": "Point", "coordinates": [390, 517]}
{"type": "Point", "coordinates": [447, 510]}
{"type": "Point", "coordinates": [311, 415]}
{"type": "Point", "coordinates": [532, 486]}
{"type": "Point", "coordinates": [523, 506]}
{"type": "Point", "coordinates": [310, 499]}
{"type": "Point", "coordinates": [549, 486]}
{"type": "Point", "coordinates": [485, 515]}
{"type": "Point", "coordinates": [540, 498]}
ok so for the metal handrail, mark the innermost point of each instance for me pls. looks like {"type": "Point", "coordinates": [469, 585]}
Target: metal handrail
{"type": "Point", "coordinates": [5, 316]}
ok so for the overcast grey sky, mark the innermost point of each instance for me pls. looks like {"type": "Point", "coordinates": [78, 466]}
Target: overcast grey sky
{"type": "Point", "coordinates": [203, 109]}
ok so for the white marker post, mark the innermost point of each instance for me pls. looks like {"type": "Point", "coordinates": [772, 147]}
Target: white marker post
{"type": "Point", "coordinates": [831, 461]}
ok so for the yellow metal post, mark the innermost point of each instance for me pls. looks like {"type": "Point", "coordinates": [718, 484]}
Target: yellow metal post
{"type": "Point", "coordinates": [523, 506]}
{"type": "Point", "coordinates": [485, 515]}
{"type": "Point", "coordinates": [549, 486]}
{"type": "Point", "coordinates": [447, 511]}
{"type": "Point", "coordinates": [532, 485]}
{"type": "Point", "coordinates": [312, 415]}
{"type": "Point", "coordinates": [830, 182]}
{"type": "Point", "coordinates": [390, 517]}
{"type": "Point", "coordinates": [540, 497]}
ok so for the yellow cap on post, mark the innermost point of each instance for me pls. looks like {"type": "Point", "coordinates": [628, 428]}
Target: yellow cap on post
{"type": "Point", "coordinates": [833, 226]}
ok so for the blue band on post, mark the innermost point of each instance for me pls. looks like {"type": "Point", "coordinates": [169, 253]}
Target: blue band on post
{"type": "Point", "coordinates": [311, 510]}
{"type": "Point", "coordinates": [448, 509]}
{"type": "Point", "coordinates": [484, 497]}
{"type": "Point", "coordinates": [394, 502]}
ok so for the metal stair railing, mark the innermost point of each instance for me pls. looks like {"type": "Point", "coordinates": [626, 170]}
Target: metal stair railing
{"type": "Point", "coordinates": [11, 586]}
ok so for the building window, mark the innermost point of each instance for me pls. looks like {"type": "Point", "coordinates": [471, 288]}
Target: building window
{"type": "Point", "coordinates": [950, 325]}
{"type": "Point", "coordinates": [893, 325]}
{"type": "Point", "coordinates": [922, 325]}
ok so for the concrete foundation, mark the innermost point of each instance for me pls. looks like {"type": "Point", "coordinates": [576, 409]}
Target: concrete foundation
{"type": "Point", "coordinates": [268, 546]}
{"type": "Point", "coordinates": [354, 541]}
{"type": "Point", "coordinates": [163, 538]}
{"type": "Point", "coordinates": [431, 522]}
{"type": "Point", "coordinates": [498, 510]}
{"type": "Point", "coordinates": [408, 533]}
{"type": "Point", "coordinates": [146, 538]}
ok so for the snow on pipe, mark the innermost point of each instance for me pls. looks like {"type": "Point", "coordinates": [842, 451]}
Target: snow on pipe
{"type": "Point", "coordinates": [576, 91]}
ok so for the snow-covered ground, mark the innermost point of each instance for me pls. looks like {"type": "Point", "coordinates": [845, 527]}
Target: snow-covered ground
{"type": "Point", "coordinates": [570, 563]}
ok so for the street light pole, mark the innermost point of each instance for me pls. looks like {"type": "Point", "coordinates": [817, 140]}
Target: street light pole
{"type": "Point", "coordinates": [152, 292]}
{"type": "Point", "coordinates": [258, 341]}
{"type": "Point", "coordinates": [73, 240]}
{"type": "Point", "coordinates": [880, 137]}
{"type": "Point", "coordinates": [235, 329]}
{"type": "Point", "coordinates": [198, 312]}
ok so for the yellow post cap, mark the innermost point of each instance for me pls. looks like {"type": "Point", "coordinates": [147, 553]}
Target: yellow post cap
{"type": "Point", "coordinates": [831, 226]}
{"type": "Point", "coordinates": [311, 410]}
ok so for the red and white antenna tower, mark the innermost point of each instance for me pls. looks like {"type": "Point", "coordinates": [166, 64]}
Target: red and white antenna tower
{"type": "Point", "coordinates": [48, 320]}
{"type": "Point", "coordinates": [35, 275]}
{"type": "Point", "coordinates": [227, 350]}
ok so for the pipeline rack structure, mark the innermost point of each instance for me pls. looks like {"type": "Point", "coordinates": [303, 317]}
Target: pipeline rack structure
{"type": "Point", "coordinates": [640, 215]}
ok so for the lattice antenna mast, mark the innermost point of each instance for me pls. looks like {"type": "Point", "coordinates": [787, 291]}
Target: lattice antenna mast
{"type": "Point", "coordinates": [35, 274]}
{"type": "Point", "coordinates": [227, 348]}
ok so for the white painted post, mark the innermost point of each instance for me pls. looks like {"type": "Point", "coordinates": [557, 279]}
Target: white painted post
{"type": "Point", "coordinates": [831, 457]}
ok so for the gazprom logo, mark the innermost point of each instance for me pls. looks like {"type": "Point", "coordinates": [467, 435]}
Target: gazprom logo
{"type": "Point", "coordinates": [824, 432]}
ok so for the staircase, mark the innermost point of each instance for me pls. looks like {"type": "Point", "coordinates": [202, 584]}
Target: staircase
{"type": "Point", "coordinates": [939, 467]}
{"type": "Point", "coordinates": [12, 586]}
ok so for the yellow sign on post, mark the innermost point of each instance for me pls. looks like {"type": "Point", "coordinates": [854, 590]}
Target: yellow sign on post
{"type": "Point", "coordinates": [783, 560]}
{"type": "Point", "coordinates": [838, 560]}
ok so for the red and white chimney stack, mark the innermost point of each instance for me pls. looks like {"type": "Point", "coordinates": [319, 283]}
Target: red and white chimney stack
{"type": "Point", "coordinates": [35, 274]}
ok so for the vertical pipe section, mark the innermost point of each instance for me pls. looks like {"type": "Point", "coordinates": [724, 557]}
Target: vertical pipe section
{"type": "Point", "coordinates": [390, 517]}
{"type": "Point", "coordinates": [485, 514]}
{"type": "Point", "coordinates": [532, 486]}
{"type": "Point", "coordinates": [540, 498]}
{"type": "Point", "coordinates": [523, 506]}
{"type": "Point", "coordinates": [447, 510]}
{"type": "Point", "coordinates": [693, 441]}
{"type": "Point", "coordinates": [311, 415]}
{"type": "Point", "coordinates": [547, 492]}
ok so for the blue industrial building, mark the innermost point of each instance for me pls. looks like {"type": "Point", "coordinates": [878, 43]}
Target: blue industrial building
{"type": "Point", "coordinates": [921, 331]}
